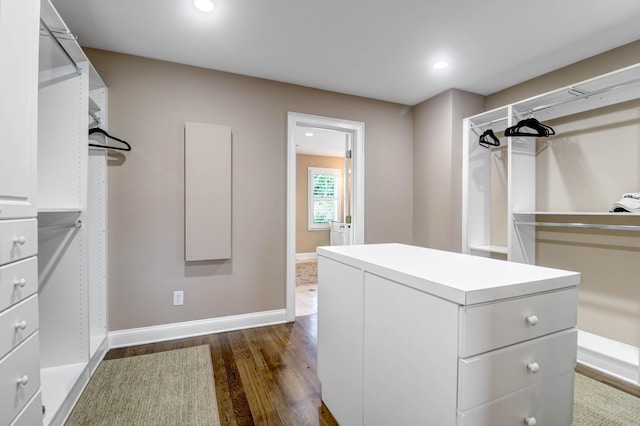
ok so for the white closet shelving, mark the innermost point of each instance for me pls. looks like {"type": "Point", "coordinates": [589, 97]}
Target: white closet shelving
{"type": "Point", "coordinates": [609, 89]}
{"type": "Point", "coordinates": [478, 200]}
{"type": "Point", "coordinates": [516, 237]}
{"type": "Point", "coordinates": [96, 221]}
{"type": "Point", "coordinates": [72, 218]}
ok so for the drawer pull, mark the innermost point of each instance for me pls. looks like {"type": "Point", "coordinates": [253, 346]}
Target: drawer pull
{"type": "Point", "coordinates": [20, 240]}
{"type": "Point", "coordinates": [20, 283]}
{"type": "Point", "coordinates": [23, 380]}
{"type": "Point", "coordinates": [533, 367]}
{"type": "Point", "coordinates": [532, 320]}
{"type": "Point", "coordinates": [21, 325]}
{"type": "Point", "coordinates": [530, 421]}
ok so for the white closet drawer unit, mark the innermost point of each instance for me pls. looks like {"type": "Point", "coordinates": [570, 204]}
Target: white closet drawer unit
{"type": "Point", "coordinates": [495, 325]}
{"type": "Point", "coordinates": [542, 404]}
{"type": "Point", "coordinates": [430, 356]}
{"type": "Point", "coordinates": [18, 281]}
{"type": "Point", "coordinates": [19, 378]}
{"type": "Point", "coordinates": [493, 375]}
{"type": "Point", "coordinates": [31, 414]}
{"type": "Point", "coordinates": [18, 323]}
{"type": "Point", "coordinates": [18, 239]}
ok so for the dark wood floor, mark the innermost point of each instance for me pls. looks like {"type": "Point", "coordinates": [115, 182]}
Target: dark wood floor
{"type": "Point", "coordinates": [264, 376]}
{"type": "Point", "coordinates": [267, 375]}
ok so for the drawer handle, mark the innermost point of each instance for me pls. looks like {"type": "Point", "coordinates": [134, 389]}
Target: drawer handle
{"type": "Point", "coordinates": [23, 380]}
{"type": "Point", "coordinates": [20, 240]}
{"type": "Point", "coordinates": [533, 367]}
{"type": "Point", "coordinates": [21, 325]}
{"type": "Point", "coordinates": [530, 421]}
{"type": "Point", "coordinates": [20, 283]}
{"type": "Point", "coordinates": [532, 320]}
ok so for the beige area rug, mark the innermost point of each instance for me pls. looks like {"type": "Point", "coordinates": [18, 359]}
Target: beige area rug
{"type": "Point", "coordinates": [306, 273]}
{"type": "Point", "coordinates": [167, 388]}
{"type": "Point", "coordinates": [596, 404]}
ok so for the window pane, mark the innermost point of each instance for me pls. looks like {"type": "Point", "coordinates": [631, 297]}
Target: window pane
{"type": "Point", "coordinates": [324, 211]}
{"type": "Point", "coordinates": [323, 197]}
{"type": "Point", "coordinates": [324, 186]}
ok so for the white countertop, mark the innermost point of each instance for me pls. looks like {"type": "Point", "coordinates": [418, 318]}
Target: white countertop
{"type": "Point", "coordinates": [459, 278]}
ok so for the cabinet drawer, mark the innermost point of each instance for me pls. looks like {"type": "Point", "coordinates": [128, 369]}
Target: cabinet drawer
{"type": "Point", "coordinates": [18, 239]}
{"type": "Point", "coordinates": [17, 323]}
{"type": "Point", "coordinates": [22, 363]}
{"type": "Point", "coordinates": [18, 281]}
{"type": "Point", "coordinates": [495, 325]}
{"type": "Point", "coordinates": [31, 414]}
{"type": "Point", "coordinates": [549, 403]}
{"type": "Point", "coordinates": [493, 375]}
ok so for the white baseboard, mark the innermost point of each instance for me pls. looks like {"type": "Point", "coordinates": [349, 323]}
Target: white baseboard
{"type": "Point", "coordinates": [159, 333]}
{"type": "Point", "coordinates": [609, 356]}
{"type": "Point", "coordinates": [306, 256]}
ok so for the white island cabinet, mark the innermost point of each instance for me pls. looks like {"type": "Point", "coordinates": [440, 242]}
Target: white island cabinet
{"type": "Point", "coordinates": [414, 336]}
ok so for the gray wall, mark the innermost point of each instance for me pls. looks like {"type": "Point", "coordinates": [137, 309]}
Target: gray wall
{"type": "Point", "coordinates": [412, 184]}
{"type": "Point", "coordinates": [437, 168]}
{"type": "Point", "coordinates": [149, 101]}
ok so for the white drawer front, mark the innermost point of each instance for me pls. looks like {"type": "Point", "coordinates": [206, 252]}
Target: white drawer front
{"type": "Point", "coordinates": [23, 363]}
{"type": "Point", "coordinates": [31, 414]}
{"type": "Point", "coordinates": [492, 375]}
{"type": "Point", "coordinates": [495, 325]}
{"type": "Point", "coordinates": [18, 281]}
{"type": "Point", "coordinates": [547, 403]}
{"type": "Point", "coordinates": [17, 323]}
{"type": "Point", "coordinates": [18, 239]}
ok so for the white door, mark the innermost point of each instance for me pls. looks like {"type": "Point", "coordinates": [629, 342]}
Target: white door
{"type": "Point", "coordinates": [19, 32]}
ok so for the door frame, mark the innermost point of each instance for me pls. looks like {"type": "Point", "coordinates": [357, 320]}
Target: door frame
{"type": "Point", "coordinates": [356, 128]}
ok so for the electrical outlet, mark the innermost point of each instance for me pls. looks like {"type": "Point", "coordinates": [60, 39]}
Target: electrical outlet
{"type": "Point", "coordinates": [178, 298]}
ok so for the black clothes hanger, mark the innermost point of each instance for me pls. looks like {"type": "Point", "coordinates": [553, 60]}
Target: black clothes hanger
{"type": "Point", "coordinates": [491, 141]}
{"type": "Point", "coordinates": [537, 129]}
{"type": "Point", "coordinates": [119, 148]}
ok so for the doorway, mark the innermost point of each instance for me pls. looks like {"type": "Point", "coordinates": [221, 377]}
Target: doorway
{"type": "Point", "coordinates": [354, 203]}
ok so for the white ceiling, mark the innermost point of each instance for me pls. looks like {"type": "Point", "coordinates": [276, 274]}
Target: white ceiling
{"type": "Point", "coordinates": [323, 142]}
{"type": "Point", "coordinates": [372, 48]}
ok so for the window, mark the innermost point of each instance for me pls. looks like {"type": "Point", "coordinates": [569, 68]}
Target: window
{"type": "Point", "coordinates": [324, 197]}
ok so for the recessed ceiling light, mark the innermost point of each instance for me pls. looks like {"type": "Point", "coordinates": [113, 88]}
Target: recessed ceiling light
{"type": "Point", "coordinates": [308, 134]}
{"type": "Point", "coordinates": [204, 5]}
{"type": "Point", "coordinates": [440, 65]}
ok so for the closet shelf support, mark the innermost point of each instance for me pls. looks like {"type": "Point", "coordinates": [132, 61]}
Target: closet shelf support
{"type": "Point", "coordinates": [581, 225]}
{"type": "Point", "coordinates": [76, 225]}
{"type": "Point", "coordinates": [60, 46]}
{"type": "Point", "coordinates": [96, 119]}
{"type": "Point", "coordinates": [60, 34]}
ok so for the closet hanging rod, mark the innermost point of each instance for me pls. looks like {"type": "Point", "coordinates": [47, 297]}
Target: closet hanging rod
{"type": "Point", "coordinates": [578, 97]}
{"type": "Point", "coordinates": [57, 42]}
{"type": "Point", "coordinates": [76, 225]}
{"type": "Point", "coordinates": [581, 225]}
{"type": "Point", "coordinates": [497, 120]}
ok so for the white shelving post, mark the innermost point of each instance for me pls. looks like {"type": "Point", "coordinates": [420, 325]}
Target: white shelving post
{"type": "Point", "coordinates": [521, 195]}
